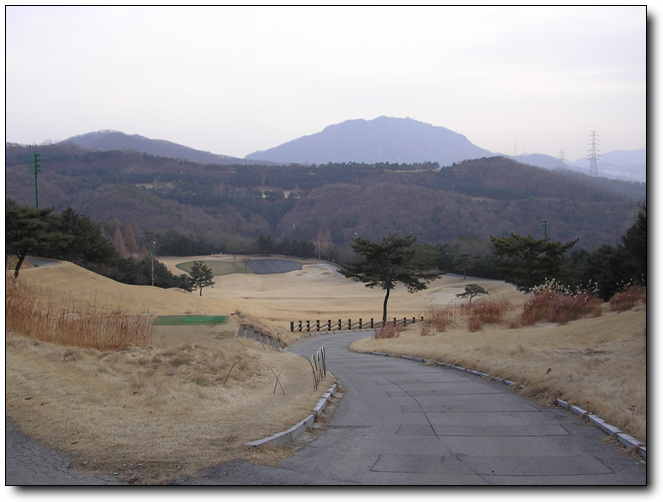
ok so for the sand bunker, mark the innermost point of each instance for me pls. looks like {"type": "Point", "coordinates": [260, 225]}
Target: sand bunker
{"type": "Point", "coordinates": [447, 296]}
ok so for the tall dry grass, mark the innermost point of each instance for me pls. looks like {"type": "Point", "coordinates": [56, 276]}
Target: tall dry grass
{"type": "Point", "coordinates": [553, 302]}
{"type": "Point", "coordinates": [485, 311]}
{"type": "Point", "coordinates": [388, 331]}
{"type": "Point", "coordinates": [68, 322]}
{"type": "Point", "coordinates": [439, 318]}
{"type": "Point", "coordinates": [627, 299]}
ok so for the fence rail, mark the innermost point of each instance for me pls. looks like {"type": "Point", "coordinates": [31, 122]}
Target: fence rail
{"type": "Point", "coordinates": [341, 324]}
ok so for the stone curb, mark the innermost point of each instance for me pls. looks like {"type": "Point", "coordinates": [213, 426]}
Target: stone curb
{"type": "Point", "coordinates": [288, 436]}
{"type": "Point", "coordinates": [625, 439]}
{"type": "Point", "coordinates": [322, 333]}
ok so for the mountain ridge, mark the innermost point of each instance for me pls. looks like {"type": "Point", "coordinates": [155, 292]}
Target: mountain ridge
{"type": "Point", "coordinates": [380, 140]}
{"type": "Point", "coordinates": [108, 139]}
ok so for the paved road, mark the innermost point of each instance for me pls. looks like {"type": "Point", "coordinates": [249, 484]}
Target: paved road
{"type": "Point", "coordinates": [30, 463]}
{"type": "Point", "coordinates": [402, 423]}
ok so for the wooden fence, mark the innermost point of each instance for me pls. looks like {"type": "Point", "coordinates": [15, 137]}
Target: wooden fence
{"type": "Point", "coordinates": [341, 325]}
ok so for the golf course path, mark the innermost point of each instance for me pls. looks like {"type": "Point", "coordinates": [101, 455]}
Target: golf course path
{"type": "Point", "coordinates": [401, 422]}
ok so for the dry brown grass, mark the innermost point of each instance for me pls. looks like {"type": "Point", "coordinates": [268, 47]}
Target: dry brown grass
{"type": "Point", "coordinates": [66, 321]}
{"type": "Point", "coordinates": [154, 412]}
{"type": "Point", "coordinates": [553, 306]}
{"type": "Point", "coordinates": [149, 412]}
{"type": "Point", "coordinates": [388, 331]}
{"type": "Point", "coordinates": [485, 311]}
{"type": "Point", "coordinates": [626, 300]}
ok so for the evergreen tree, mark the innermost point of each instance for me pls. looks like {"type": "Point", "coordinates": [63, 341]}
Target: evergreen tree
{"type": "Point", "coordinates": [29, 230]}
{"type": "Point", "coordinates": [472, 290]}
{"type": "Point", "coordinates": [202, 276]}
{"type": "Point", "coordinates": [464, 261]}
{"type": "Point", "coordinates": [527, 262]}
{"type": "Point", "coordinates": [387, 263]}
{"type": "Point", "coordinates": [635, 245]}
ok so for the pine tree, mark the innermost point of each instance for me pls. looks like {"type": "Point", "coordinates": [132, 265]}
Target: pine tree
{"type": "Point", "coordinates": [634, 242]}
{"type": "Point", "coordinates": [29, 230]}
{"type": "Point", "coordinates": [202, 276]}
{"type": "Point", "coordinates": [527, 262]}
{"type": "Point", "coordinates": [472, 290]}
{"type": "Point", "coordinates": [387, 263]}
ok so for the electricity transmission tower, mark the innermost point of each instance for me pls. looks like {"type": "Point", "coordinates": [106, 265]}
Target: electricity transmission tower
{"type": "Point", "coordinates": [561, 160]}
{"type": "Point", "coordinates": [593, 154]}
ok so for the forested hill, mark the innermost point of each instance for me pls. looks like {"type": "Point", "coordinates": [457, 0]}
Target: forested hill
{"type": "Point", "coordinates": [116, 140]}
{"type": "Point", "coordinates": [233, 205]}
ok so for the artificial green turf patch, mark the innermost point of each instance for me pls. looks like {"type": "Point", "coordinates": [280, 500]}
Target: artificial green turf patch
{"type": "Point", "coordinates": [189, 320]}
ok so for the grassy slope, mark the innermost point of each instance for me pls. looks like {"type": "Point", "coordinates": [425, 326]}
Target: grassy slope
{"type": "Point", "coordinates": [591, 361]}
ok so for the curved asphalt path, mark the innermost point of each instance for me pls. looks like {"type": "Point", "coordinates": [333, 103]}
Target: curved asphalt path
{"type": "Point", "coordinates": [401, 422]}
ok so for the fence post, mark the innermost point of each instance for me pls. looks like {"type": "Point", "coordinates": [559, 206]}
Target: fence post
{"type": "Point", "coordinates": [371, 323]}
{"type": "Point", "coordinates": [317, 325]}
{"type": "Point", "coordinates": [394, 321]}
{"type": "Point", "coordinates": [300, 325]}
{"type": "Point", "coordinates": [361, 324]}
{"type": "Point", "coordinates": [292, 325]}
{"type": "Point", "coordinates": [328, 324]}
{"type": "Point", "coordinates": [340, 326]}
{"type": "Point", "coordinates": [308, 326]}
{"type": "Point", "coordinates": [349, 323]}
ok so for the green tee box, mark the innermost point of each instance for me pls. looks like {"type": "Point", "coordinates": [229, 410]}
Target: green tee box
{"type": "Point", "coordinates": [189, 320]}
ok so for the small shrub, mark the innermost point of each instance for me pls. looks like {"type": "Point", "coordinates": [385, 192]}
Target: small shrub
{"type": "Point", "coordinates": [440, 317]}
{"type": "Point", "coordinates": [474, 323]}
{"type": "Point", "coordinates": [427, 328]}
{"type": "Point", "coordinates": [626, 300]}
{"type": "Point", "coordinates": [489, 311]}
{"type": "Point", "coordinates": [553, 303]}
{"type": "Point", "coordinates": [388, 331]}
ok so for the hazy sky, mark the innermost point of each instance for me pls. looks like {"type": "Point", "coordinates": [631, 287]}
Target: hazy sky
{"type": "Point", "coordinates": [233, 80]}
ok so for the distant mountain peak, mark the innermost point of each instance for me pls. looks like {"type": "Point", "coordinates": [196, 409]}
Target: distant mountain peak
{"type": "Point", "coordinates": [383, 139]}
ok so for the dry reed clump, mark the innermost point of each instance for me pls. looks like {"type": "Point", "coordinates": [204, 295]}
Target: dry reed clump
{"type": "Point", "coordinates": [438, 318]}
{"type": "Point", "coordinates": [627, 299]}
{"type": "Point", "coordinates": [69, 323]}
{"type": "Point", "coordinates": [484, 312]}
{"type": "Point", "coordinates": [388, 331]}
{"type": "Point", "coordinates": [555, 303]}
